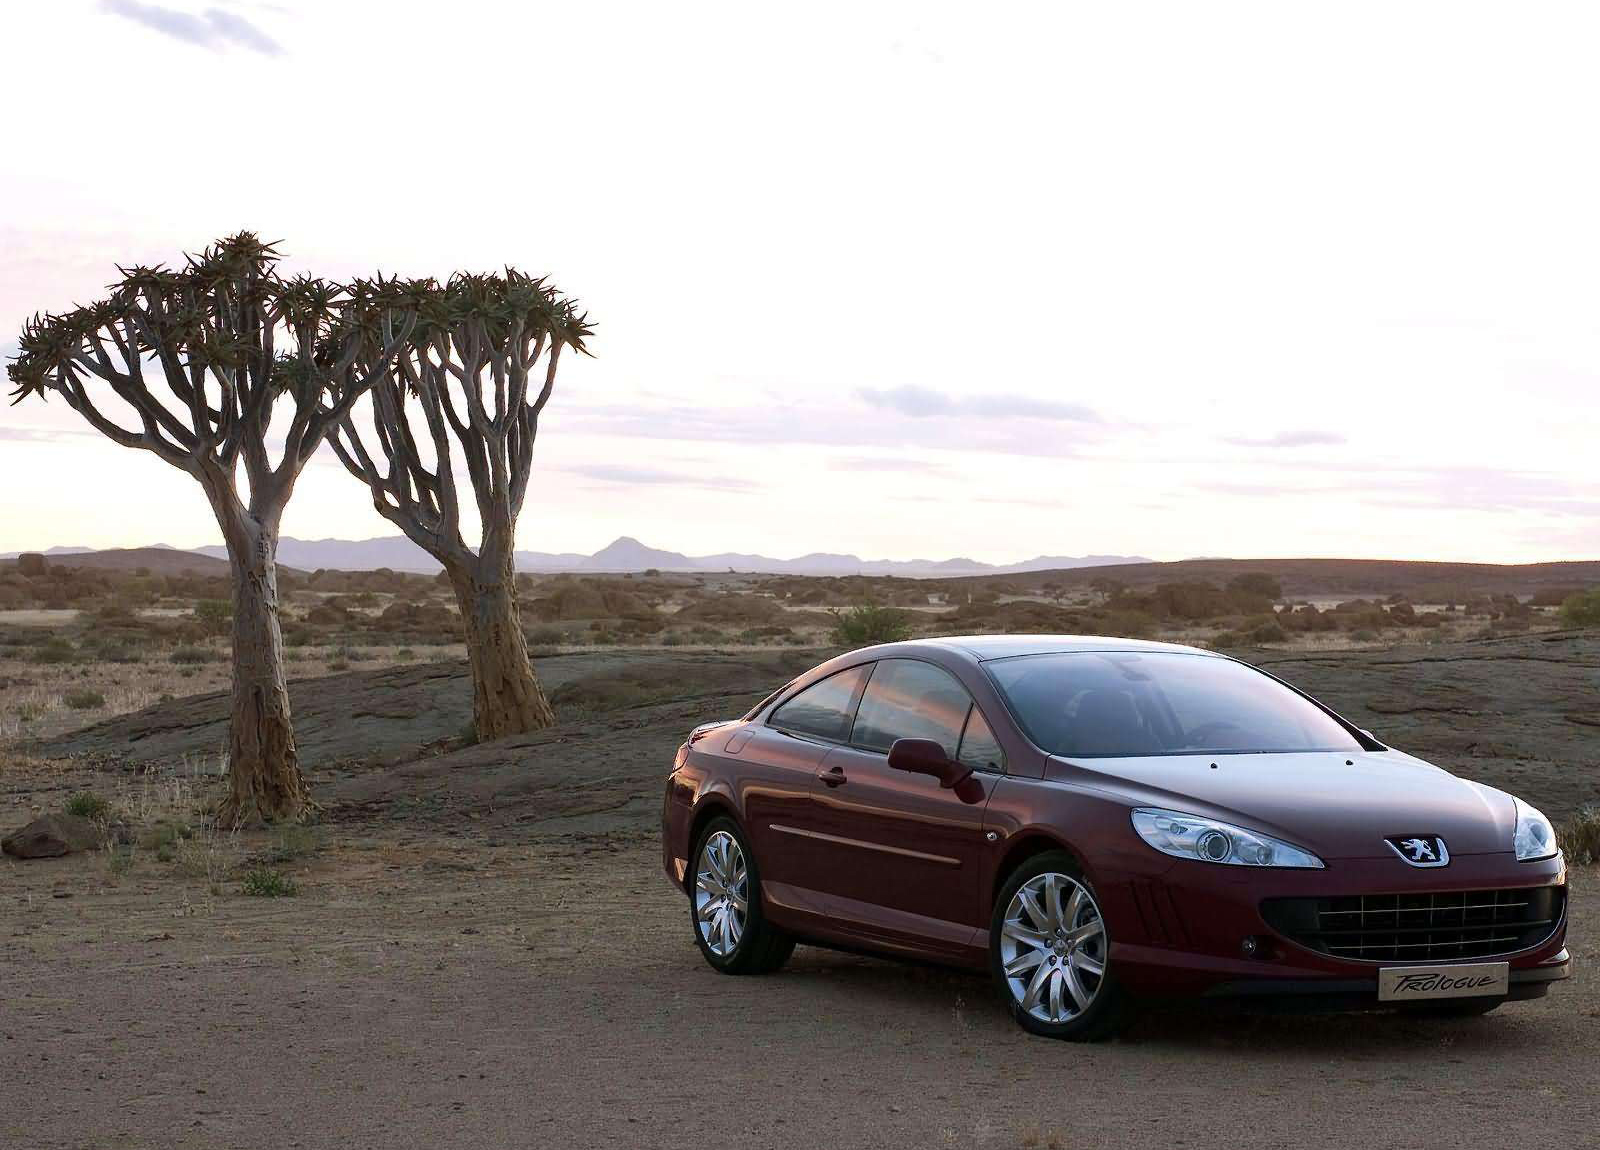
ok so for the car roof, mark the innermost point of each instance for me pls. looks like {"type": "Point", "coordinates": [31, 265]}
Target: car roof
{"type": "Point", "coordinates": [982, 647]}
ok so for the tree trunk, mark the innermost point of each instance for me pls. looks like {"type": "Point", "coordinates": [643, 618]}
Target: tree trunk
{"type": "Point", "coordinates": [506, 696]}
{"type": "Point", "coordinates": [263, 766]}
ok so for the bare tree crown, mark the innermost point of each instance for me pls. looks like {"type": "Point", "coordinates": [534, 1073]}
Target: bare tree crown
{"type": "Point", "coordinates": [201, 356]}
{"type": "Point", "coordinates": [467, 388]}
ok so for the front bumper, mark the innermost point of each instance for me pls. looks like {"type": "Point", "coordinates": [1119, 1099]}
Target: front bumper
{"type": "Point", "coordinates": [1360, 993]}
{"type": "Point", "coordinates": [1197, 930]}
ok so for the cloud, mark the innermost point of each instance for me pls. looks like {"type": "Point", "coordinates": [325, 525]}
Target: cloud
{"type": "Point", "coordinates": [29, 435]}
{"type": "Point", "coordinates": [922, 402]}
{"type": "Point", "coordinates": [825, 425]}
{"type": "Point", "coordinates": [623, 475]}
{"type": "Point", "coordinates": [213, 29]}
{"type": "Point", "coordinates": [879, 463]}
{"type": "Point", "coordinates": [1476, 489]}
{"type": "Point", "coordinates": [1304, 438]}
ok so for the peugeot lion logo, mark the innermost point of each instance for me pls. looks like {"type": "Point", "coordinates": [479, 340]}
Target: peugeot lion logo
{"type": "Point", "coordinates": [1420, 850]}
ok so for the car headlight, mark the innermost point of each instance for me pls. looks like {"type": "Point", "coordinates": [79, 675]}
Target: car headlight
{"type": "Point", "coordinates": [1196, 837]}
{"type": "Point", "coordinates": [1535, 837]}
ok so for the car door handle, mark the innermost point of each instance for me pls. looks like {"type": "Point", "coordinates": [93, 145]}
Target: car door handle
{"type": "Point", "coordinates": [833, 777]}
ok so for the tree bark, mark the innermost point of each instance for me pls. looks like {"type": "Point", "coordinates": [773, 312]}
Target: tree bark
{"type": "Point", "coordinates": [264, 776]}
{"type": "Point", "coordinates": [506, 696]}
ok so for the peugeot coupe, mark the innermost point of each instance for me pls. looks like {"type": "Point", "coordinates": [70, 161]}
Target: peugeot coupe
{"type": "Point", "coordinates": [1100, 822]}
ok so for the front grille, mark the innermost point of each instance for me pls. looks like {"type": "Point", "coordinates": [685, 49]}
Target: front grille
{"type": "Point", "coordinates": [1416, 928]}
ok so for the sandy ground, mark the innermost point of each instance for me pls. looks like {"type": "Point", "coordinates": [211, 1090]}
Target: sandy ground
{"type": "Point", "coordinates": [483, 952]}
{"type": "Point", "coordinates": [430, 993]}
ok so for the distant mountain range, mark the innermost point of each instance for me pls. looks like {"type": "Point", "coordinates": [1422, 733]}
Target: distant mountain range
{"type": "Point", "coordinates": [627, 554]}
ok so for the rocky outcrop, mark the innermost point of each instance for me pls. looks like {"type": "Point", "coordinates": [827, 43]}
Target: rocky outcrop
{"type": "Point", "coordinates": [52, 836]}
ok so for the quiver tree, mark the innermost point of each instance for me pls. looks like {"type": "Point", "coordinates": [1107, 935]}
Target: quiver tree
{"type": "Point", "coordinates": [192, 365]}
{"type": "Point", "coordinates": [462, 402]}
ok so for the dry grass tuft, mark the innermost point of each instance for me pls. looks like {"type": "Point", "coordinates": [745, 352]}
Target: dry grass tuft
{"type": "Point", "coordinates": [1579, 837]}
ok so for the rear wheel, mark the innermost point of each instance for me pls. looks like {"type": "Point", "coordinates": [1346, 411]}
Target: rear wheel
{"type": "Point", "coordinates": [725, 905]}
{"type": "Point", "coordinates": [1050, 953]}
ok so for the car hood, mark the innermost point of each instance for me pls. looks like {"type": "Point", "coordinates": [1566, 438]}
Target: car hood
{"type": "Point", "coordinates": [1337, 804]}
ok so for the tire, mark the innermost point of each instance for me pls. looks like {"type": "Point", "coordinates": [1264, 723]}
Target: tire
{"type": "Point", "coordinates": [1063, 997]}
{"type": "Point", "coordinates": [732, 941]}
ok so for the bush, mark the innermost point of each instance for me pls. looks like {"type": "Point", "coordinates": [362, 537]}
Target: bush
{"type": "Point", "coordinates": [1268, 633]}
{"type": "Point", "coordinates": [862, 626]}
{"type": "Point", "coordinates": [165, 837]}
{"type": "Point", "coordinates": [268, 882]}
{"type": "Point", "coordinates": [1583, 609]}
{"type": "Point", "coordinates": [215, 615]}
{"type": "Point", "coordinates": [87, 805]}
{"type": "Point", "coordinates": [194, 655]}
{"type": "Point", "coordinates": [1579, 837]}
{"type": "Point", "coordinates": [54, 651]}
{"type": "Point", "coordinates": [83, 699]}
{"type": "Point", "coordinates": [1256, 583]}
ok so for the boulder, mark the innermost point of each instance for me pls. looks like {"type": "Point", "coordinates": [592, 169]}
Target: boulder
{"type": "Point", "coordinates": [52, 836]}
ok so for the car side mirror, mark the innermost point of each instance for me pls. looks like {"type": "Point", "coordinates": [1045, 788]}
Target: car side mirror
{"type": "Point", "coordinates": [926, 757]}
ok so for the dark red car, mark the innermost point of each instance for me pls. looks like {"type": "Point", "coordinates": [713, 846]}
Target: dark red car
{"type": "Point", "coordinates": [1097, 821]}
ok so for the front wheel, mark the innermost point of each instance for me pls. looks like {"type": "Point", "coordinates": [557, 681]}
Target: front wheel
{"type": "Point", "coordinates": [733, 934]}
{"type": "Point", "coordinates": [1050, 953]}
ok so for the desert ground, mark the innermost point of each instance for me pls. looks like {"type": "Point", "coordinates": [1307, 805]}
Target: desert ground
{"type": "Point", "coordinates": [480, 948]}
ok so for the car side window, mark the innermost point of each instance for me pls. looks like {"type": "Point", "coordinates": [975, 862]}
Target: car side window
{"type": "Point", "coordinates": [979, 748]}
{"type": "Point", "coordinates": [824, 708]}
{"type": "Point", "coordinates": [910, 699]}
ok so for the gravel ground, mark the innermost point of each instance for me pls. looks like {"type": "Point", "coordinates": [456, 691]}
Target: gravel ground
{"type": "Point", "coordinates": [483, 953]}
{"type": "Point", "coordinates": [433, 993]}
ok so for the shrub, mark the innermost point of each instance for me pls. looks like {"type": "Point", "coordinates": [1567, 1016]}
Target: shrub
{"type": "Point", "coordinates": [87, 805]}
{"type": "Point", "coordinates": [1579, 837]}
{"type": "Point", "coordinates": [1256, 583]}
{"type": "Point", "coordinates": [194, 655]}
{"type": "Point", "coordinates": [268, 882]}
{"type": "Point", "coordinates": [164, 838]}
{"type": "Point", "coordinates": [215, 615]}
{"type": "Point", "coordinates": [1553, 596]}
{"type": "Point", "coordinates": [54, 651]}
{"type": "Point", "coordinates": [867, 624]}
{"type": "Point", "coordinates": [1583, 609]}
{"type": "Point", "coordinates": [83, 699]}
{"type": "Point", "coordinates": [1268, 633]}
{"type": "Point", "coordinates": [293, 841]}
{"type": "Point", "coordinates": [547, 636]}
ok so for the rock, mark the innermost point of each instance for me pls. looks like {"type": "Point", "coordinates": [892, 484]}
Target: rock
{"type": "Point", "coordinates": [32, 564]}
{"type": "Point", "coordinates": [52, 836]}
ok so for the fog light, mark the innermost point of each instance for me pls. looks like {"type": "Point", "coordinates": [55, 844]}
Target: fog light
{"type": "Point", "coordinates": [1249, 945]}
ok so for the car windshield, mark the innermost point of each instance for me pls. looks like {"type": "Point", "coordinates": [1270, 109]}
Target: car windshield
{"type": "Point", "coordinates": [1117, 703]}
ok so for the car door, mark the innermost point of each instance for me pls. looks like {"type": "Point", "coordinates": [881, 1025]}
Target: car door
{"type": "Point", "coordinates": [781, 760]}
{"type": "Point", "coordinates": [901, 854]}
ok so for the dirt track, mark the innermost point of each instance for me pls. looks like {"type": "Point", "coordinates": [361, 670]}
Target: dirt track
{"type": "Point", "coordinates": [484, 953]}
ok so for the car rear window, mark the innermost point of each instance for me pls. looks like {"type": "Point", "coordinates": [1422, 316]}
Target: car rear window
{"type": "Point", "coordinates": [1094, 704]}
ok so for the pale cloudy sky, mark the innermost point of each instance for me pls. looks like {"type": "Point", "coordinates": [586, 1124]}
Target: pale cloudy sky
{"type": "Point", "coordinates": [900, 279]}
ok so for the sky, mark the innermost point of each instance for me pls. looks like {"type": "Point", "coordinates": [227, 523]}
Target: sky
{"type": "Point", "coordinates": [904, 280]}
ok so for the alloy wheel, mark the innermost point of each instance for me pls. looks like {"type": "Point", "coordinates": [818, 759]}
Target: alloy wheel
{"type": "Point", "coordinates": [1053, 947]}
{"type": "Point", "coordinates": [720, 905]}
